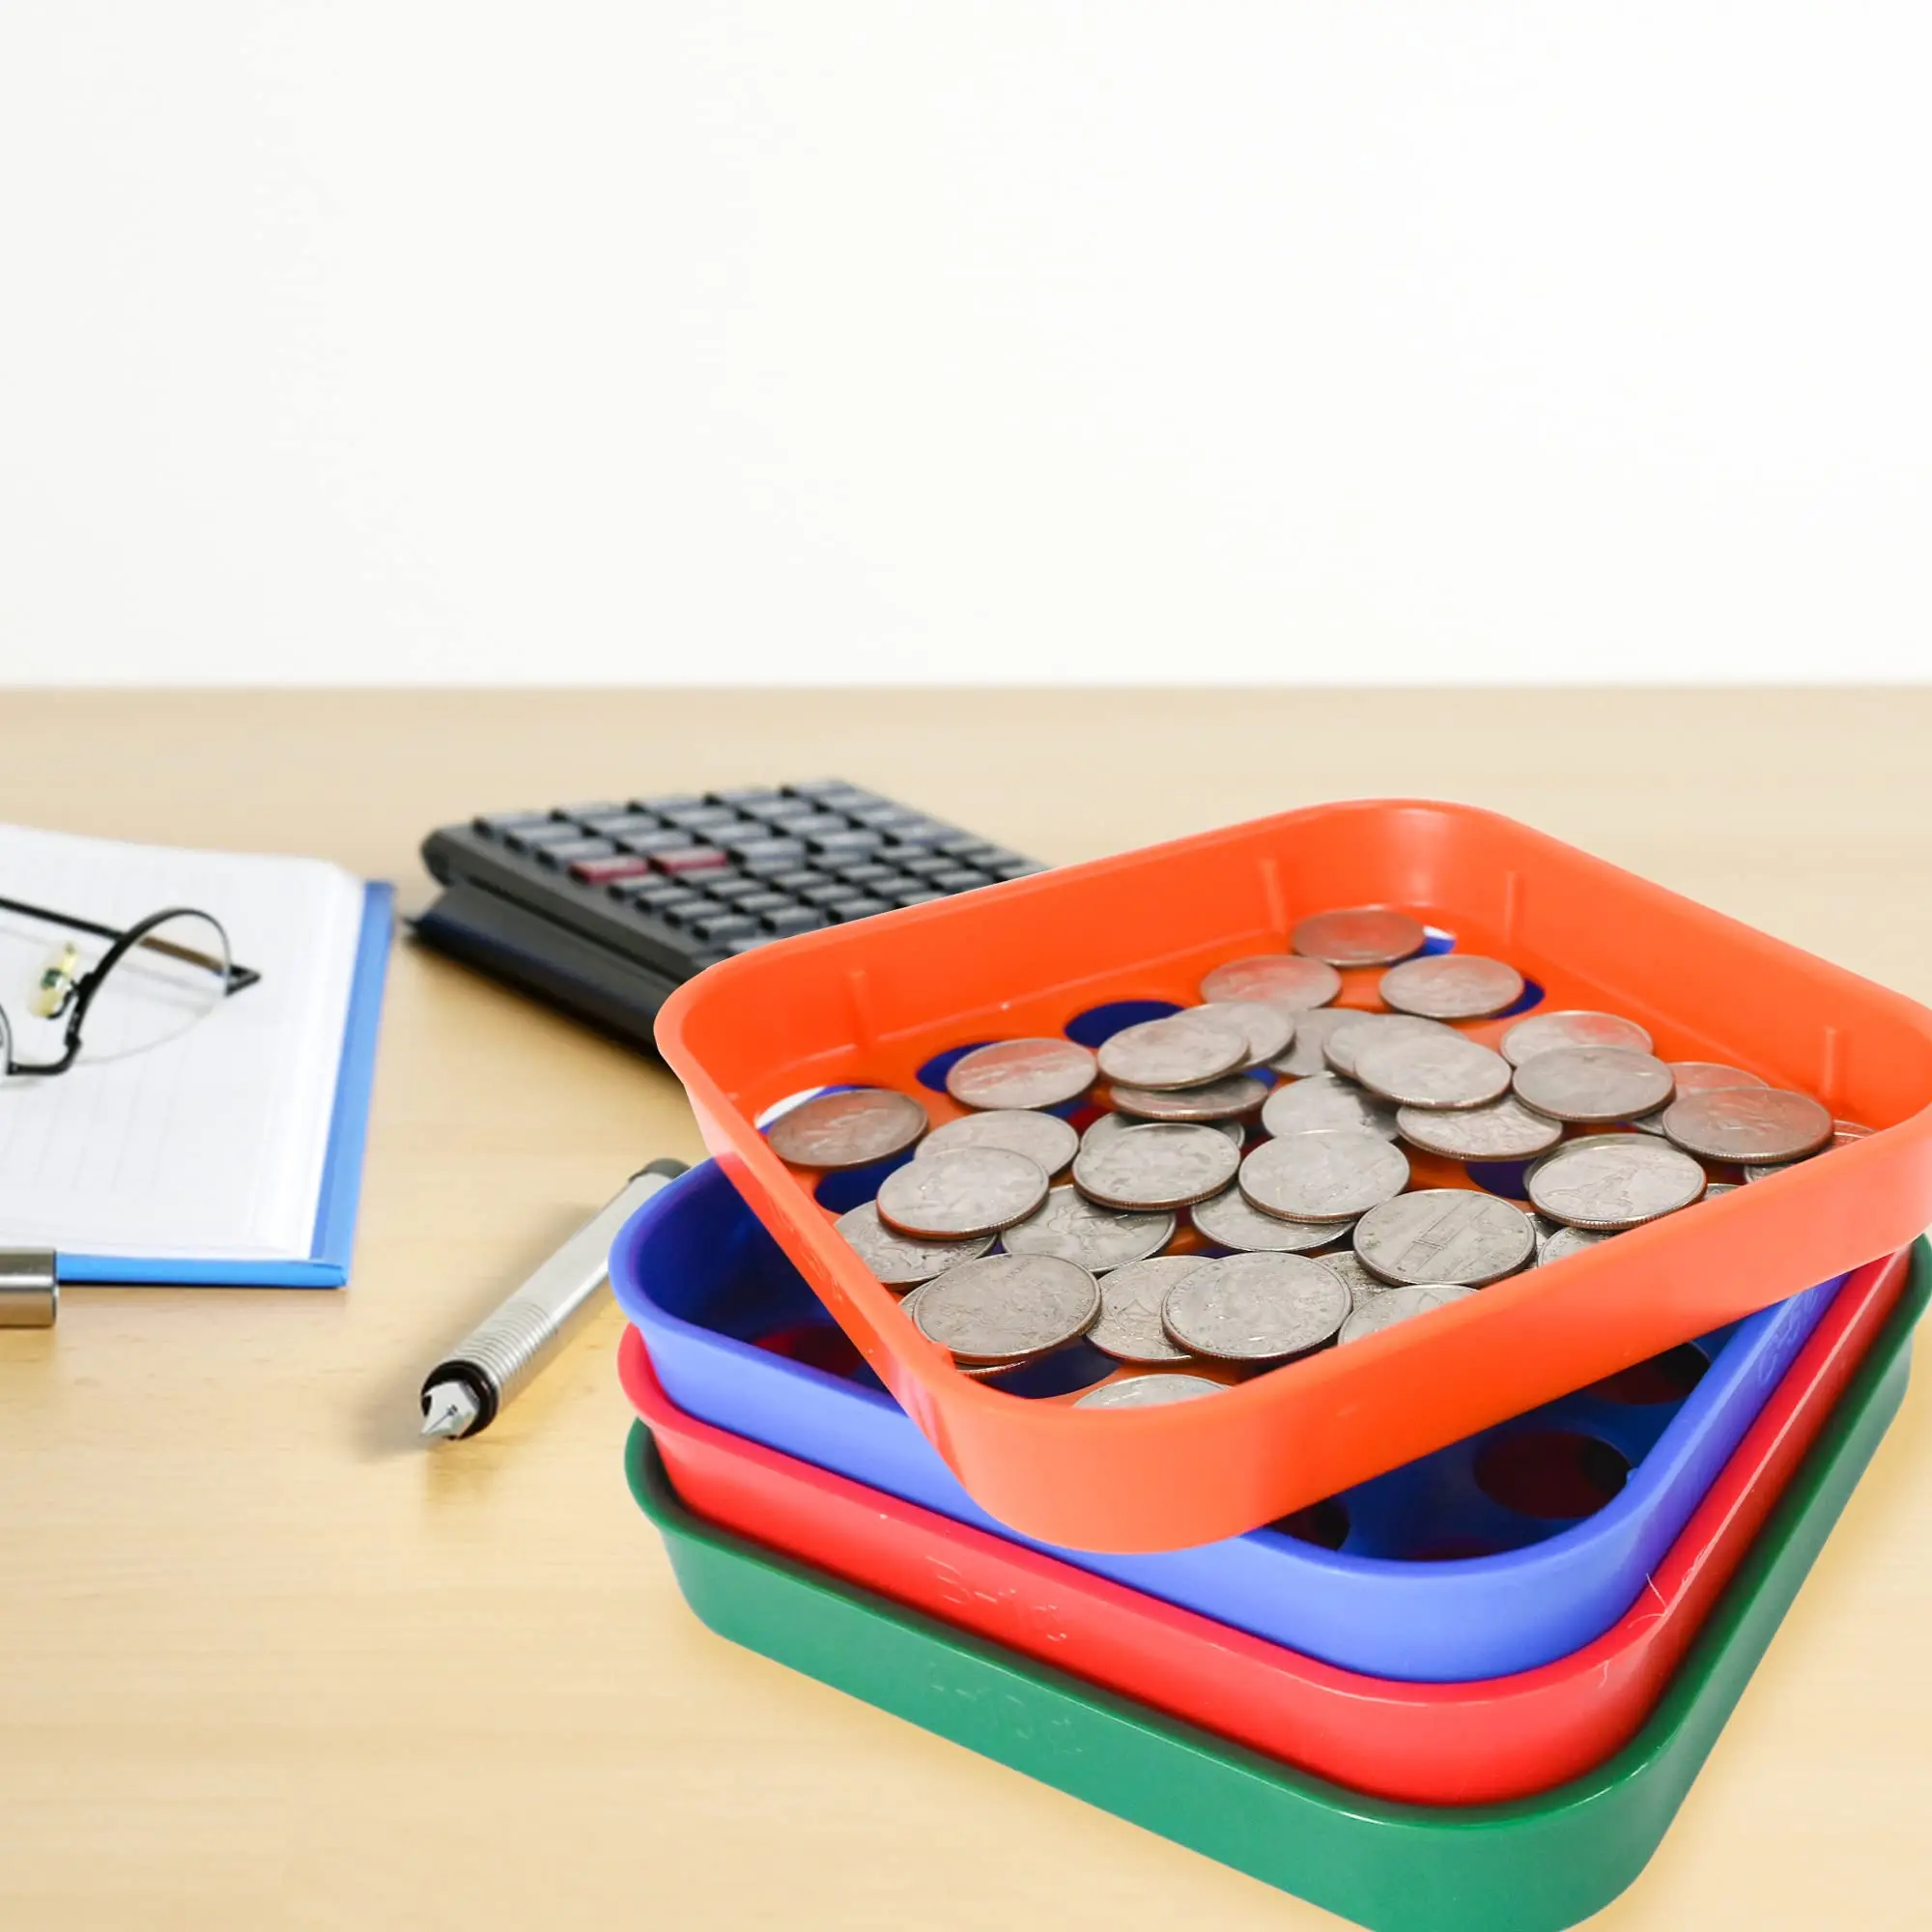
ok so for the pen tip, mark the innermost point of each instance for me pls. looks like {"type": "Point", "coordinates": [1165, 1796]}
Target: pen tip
{"type": "Point", "coordinates": [449, 1410]}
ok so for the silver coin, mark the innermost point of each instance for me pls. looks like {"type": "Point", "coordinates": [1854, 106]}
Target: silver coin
{"type": "Point", "coordinates": [1148, 1392]}
{"type": "Point", "coordinates": [1717, 1187]}
{"type": "Point", "coordinates": [1068, 1225]}
{"type": "Point", "coordinates": [1571, 1240]}
{"type": "Point", "coordinates": [1748, 1125]}
{"type": "Point", "coordinates": [1161, 1165]}
{"type": "Point", "coordinates": [1271, 1029]}
{"type": "Point", "coordinates": [1444, 1234]}
{"type": "Point", "coordinates": [1044, 1138]}
{"type": "Point", "coordinates": [849, 1129]}
{"type": "Point", "coordinates": [1325, 1100]}
{"type": "Point", "coordinates": [1450, 1071]}
{"type": "Point", "coordinates": [1185, 1049]}
{"type": "Point", "coordinates": [1334, 1175]}
{"type": "Point", "coordinates": [1398, 1305]}
{"type": "Point", "coordinates": [1111, 1126]}
{"type": "Point", "coordinates": [1843, 1133]}
{"type": "Point", "coordinates": [1365, 1030]}
{"type": "Point", "coordinates": [1004, 1308]}
{"type": "Point", "coordinates": [1541, 1031]}
{"type": "Point", "coordinates": [896, 1260]}
{"type": "Point", "coordinates": [1276, 979]}
{"type": "Point", "coordinates": [1021, 1073]}
{"type": "Point", "coordinates": [1130, 1299]}
{"type": "Point", "coordinates": [1616, 1183]}
{"type": "Point", "coordinates": [968, 1191]}
{"type": "Point", "coordinates": [1255, 1308]}
{"type": "Point", "coordinates": [1229, 1221]}
{"type": "Point", "coordinates": [1545, 1228]}
{"type": "Point", "coordinates": [1347, 1268]}
{"type": "Point", "coordinates": [1358, 936]}
{"type": "Point", "coordinates": [1593, 1084]}
{"type": "Point", "coordinates": [1697, 1076]}
{"type": "Point", "coordinates": [1312, 1030]}
{"type": "Point", "coordinates": [1504, 1129]}
{"type": "Point", "coordinates": [1232, 1097]}
{"type": "Point", "coordinates": [1451, 986]}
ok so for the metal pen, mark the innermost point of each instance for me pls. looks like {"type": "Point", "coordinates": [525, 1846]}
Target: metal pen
{"type": "Point", "coordinates": [463, 1393]}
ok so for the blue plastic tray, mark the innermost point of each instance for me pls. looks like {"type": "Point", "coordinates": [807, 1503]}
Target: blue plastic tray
{"type": "Point", "coordinates": [1433, 1578]}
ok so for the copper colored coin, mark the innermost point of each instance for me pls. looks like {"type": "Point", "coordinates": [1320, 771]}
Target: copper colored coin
{"type": "Point", "coordinates": [1021, 1073]}
{"type": "Point", "coordinates": [852, 1128]}
{"type": "Point", "coordinates": [1540, 1032]}
{"type": "Point", "coordinates": [1748, 1125]}
{"type": "Point", "coordinates": [1452, 987]}
{"type": "Point", "coordinates": [1275, 979]}
{"type": "Point", "coordinates": [1593, 1084]}
{"type": "Point", "coordinates": [1358, 936]}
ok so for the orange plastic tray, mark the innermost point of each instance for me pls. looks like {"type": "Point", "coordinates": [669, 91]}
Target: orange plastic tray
{"type": "Point", "coordinates": [874, 1001]}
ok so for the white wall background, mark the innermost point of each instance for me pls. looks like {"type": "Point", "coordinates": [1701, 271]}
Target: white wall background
{"type": "Point", "coordinates": [914, 339]}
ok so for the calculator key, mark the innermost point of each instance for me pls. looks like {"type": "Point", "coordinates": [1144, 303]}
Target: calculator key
{"type": "Point", "coordinates": [922, 864]}
{"type": "Point", "coordinates": [734, 887]}
{"type": "Point", "coordinates": [568, 851]}
{"type": "Point", "coordinates": [884, 814]}
{"type": "Point", "coordinates": [762, 902]}
{"type": "Point", "coordinates": [766, 851]}
{"type": "Point", "coordinates": [620, 824]}
{"type": "Point", "coordinates": [748, 942]}
{"type": "Point", "coordinates": [921, 835]}
{"type": "Point", "coordinates": [602, 808]}
{"type": "Point", "coordinates": [602, 871]}
{"type": "Point", "coordinates": [777, 808]}
{"type": "Point", "coordinates": [532, 838]}
{"type": "Point", "coordinates": [973, 849]}
{"type": "Point", "coordinates": [1017, 869]}
{"type": "Point", "coordinates": [742, 798]}
{"type": "Point", "coordinates": [821, 825]}
{"type": "Point", "coordinates": [869, 872]}
{"type": "Point", "coordinates": [645, 893]}
{"type": "Point", "coordinates": [919, 897]}
{"type": "Point", "coordinates": [1000, 855]}
{"type": "Point", "coordinates": [828, 895]}
{"type": "Point", "coordinates": [815, 787]}
{"type": "Point", "coordinates": [692, 859]}
{"type": "Point", "coordinates": [845, 844]}
{"type": "Point", "coordinates": [494, 824]}
{"type": "Point", "coordinates": [848, 910]}
{"type": "Point", "coordinates": [962, 879]}
{"type": "Point", "coordinates": [792, 918]}
{"type": "Point", "coordinates": [796, 881]}
{"type": "Point", "coordinates": [893, 885]}
{"type": "Point", "coordinates": [720, 926]}
{"type": "Point", "coordinates": [645, 844]}
{"type": "Point", "coordinates": [695, 817]}
{"type": "Point", "coordinates": [672, 801]}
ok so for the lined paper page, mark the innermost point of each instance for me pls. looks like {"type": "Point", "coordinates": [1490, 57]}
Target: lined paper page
{"type": "Point", "coordinates": [212, 1145]}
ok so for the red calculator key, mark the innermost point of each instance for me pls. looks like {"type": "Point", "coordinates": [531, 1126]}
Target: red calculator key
{"type": "Point", "coordinates": [602, 871]}
{"type": "Point", "coordinates": [692, 859]}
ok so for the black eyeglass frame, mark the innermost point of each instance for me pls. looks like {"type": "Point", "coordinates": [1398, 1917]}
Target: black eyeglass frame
{"type": "Point", "coordinates": [79, 996]}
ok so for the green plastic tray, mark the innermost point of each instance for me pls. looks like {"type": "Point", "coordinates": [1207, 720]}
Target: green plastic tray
{"type": "Point", "coordinates": [1532, 1866]}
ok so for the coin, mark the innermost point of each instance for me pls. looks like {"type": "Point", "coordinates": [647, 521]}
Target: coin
{"type": "Point", "coordinates": [1616, 1184]}
{"type": "Point", "coordinates": [1748, 1125]}
{"type": "Point", "coordinates": [1148, 1392]}
{"type": "Point", "coordinates": [1096, 1238]}
{"type": "Point", "coordinates": [1444, 1234]}
{"type": "Point", "coordinates": [852, 1128]}
{"type": "Point", "coordinates": [1427, 1072]}
{"type": "Point", "coordinates": [1333, 1174]}
{"type": "Point", "coordinates": [1358, 936]}
{"type": "Point", "coordinates": [1004, 1308]}
{"type": "Point", "coordinates": [1044, 1138]}
{"type": "Point", "coordinates": [1571, 1240]}
{"type": "Point", "coordinates": [1452, 987]}
{"type": "Point", "coordinates": [1697, 1076]}
{"type": "Point", "coordinates": [1231, 1097]}
{"type": "Point", "coordinates": [1110, 1126]}
{"type": "Point", "coordinates": [1717, 1187]}
{"type": "Point", "coordinates": [1255, 1308]}
{"type": "Point", "coordinates": [1312, 1029]}
{"type": "Point", "coordinates": [1185, 1049]}
{"type": "Point", "coordinates": [1366, 1030]}
{"type": "Point", "coordinates": [1399, 1304]}
{"type": "Point", "coordinates": [969, 1191]}
{"type": "Point", "coordinates": [1504, 1129]}
{"type": "Point", "coordinates": [1270, 1028]}
{"type": "Point", "coordinates": [1844, 1132]}
{"type": "Point", "coordinates": [1593, 1084]}
{"type": "Point", "coordinates": [1229, 1221]}
{"type": "Point", "coordinates": [1276, 979]}
{"type": "Point", "coordinates": [1130, 1299]}
{"type": "Point", "coordinates": [896, 1260]}
{"type": "Point", "coordinates": [1325, 1100]}
{"type": "Point", "coordinates": [1346, 1266]}
{"type": "Point", "coordinates": [1021, 1073]}
{"type": "Point", "coordinates": [1540, 1032]}
{"type": "Point", "coordinates": [1162, 1165]}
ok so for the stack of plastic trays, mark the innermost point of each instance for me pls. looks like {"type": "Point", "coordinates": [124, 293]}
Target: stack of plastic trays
{"type": "Point", "coordinates": [1470, 1692]}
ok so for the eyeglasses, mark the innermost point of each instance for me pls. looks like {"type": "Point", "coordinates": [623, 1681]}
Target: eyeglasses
{"type": "Point", "coordinates": [151, 983]}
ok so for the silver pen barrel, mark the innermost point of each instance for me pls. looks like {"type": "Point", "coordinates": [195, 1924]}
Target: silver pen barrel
{"type": "Point", "coordinates": [463, 1393]}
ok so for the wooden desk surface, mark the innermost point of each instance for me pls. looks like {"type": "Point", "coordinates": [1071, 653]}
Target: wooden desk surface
{"type": "Point", "coordinates": [264, 1660]}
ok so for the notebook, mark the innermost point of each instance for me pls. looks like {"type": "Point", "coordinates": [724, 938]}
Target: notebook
{"type": "Point", "coordinates": [233, 1153]}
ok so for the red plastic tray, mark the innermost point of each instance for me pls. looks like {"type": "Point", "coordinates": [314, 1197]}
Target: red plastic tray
{"type": "Point", "coordinates": [1433, 1743]}
{"type": "Point", "coordinates": [877, 1001]}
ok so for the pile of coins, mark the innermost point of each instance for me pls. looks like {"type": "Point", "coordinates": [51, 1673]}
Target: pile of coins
{"type": "Point", "coordinates": [1209, 1220]}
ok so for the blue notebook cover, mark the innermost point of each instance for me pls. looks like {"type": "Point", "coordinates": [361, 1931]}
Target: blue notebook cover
{"type": "Point", "coordinates": [327, 1262]}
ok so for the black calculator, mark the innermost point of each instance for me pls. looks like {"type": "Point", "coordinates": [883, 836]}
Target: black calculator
{"type": "Point", "coordinates": [602, 909]}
